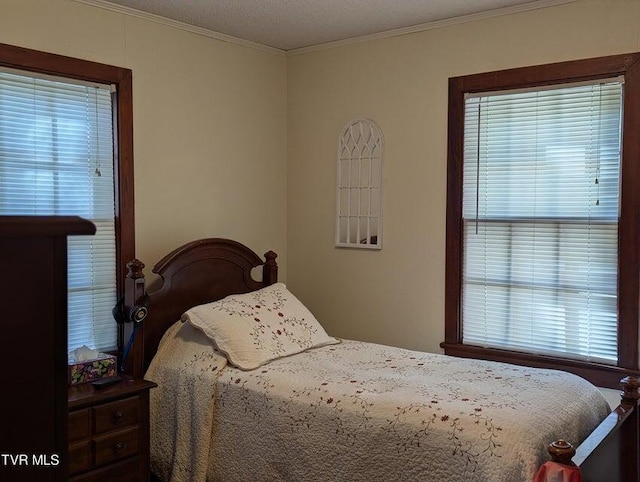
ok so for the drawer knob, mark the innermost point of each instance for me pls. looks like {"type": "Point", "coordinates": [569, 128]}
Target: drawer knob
{"type": "Point", "coordinates": [119, 415]}
{"type": "Point", "coordinates": [119, 447]}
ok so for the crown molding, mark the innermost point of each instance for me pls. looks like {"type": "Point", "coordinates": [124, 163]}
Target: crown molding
{"type": "Point", "coordinates": [181, 25]}
{"type": "Point", "coordinates": [431, 25]}
{"type": "Point", "coordinates": [328, 45]}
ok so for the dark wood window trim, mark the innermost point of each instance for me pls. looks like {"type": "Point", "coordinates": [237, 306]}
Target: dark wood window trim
{"type": "Point", "coordinates": [59, 65]}
{"type": "Point", "coordinates": [629, 225]}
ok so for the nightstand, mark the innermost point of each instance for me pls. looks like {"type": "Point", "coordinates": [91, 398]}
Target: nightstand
{"type": "Point", "coordinates": [109, 432]}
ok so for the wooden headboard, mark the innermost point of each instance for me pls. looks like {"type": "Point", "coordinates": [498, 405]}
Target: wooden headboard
{"type": "Point", "coordinates": [198, 272]}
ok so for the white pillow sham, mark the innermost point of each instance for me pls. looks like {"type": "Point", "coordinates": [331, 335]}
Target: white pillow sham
{"type": "Point", "coordinates": [257, 327]}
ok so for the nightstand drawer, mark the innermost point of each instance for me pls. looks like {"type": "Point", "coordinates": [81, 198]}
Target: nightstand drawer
{"type": "Point", "coordinates": [115, 415]}
{"type": "Point", "coordinates": [109, 432]}
{"type": "Point", "coordinates": [79, 426]}
{"type": "Point", "coordinates": [79, 457]}
{"type": "Point", "coordinates": [115, 446]}
{"type": "Point", "coordinates": [125, 471]}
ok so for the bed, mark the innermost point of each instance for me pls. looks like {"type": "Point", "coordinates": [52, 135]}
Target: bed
{"type": "Point", "coordinates": [253, 407]}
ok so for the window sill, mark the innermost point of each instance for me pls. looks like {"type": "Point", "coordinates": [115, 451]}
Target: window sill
{"type": "Point", "coordinates": [599, 374]}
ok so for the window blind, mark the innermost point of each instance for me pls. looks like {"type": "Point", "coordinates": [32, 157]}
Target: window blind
{"type": "Point", "coordinates": [541, 194]}
{"type": "Point", "coordinates": [56, 158]}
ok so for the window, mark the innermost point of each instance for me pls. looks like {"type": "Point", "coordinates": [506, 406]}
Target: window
{"type": "Point", "coordinates": [60, 119]}
{"type": "Point", "coordinates": [538, 248]}
{"type": "Point", "coordinates": [56, 158]}
{"type": "Point", "coordinates": [359, 186]}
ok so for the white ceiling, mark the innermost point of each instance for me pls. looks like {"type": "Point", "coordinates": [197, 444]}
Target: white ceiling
{"type": "Point", "coordinates": [294, 24]}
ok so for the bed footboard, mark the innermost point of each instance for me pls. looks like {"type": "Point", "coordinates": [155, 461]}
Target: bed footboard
{"type": "Point", "coordinates": [610, 453]}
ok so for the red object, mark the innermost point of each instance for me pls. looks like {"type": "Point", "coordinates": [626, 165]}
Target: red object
{"type": "Point", "coordinates": [555, 472]}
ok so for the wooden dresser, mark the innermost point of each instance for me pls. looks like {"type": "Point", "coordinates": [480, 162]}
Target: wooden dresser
{"type": "Point", "coordinates": [33, 287]}
{"type": "Point", "coordinates": [109, 432]}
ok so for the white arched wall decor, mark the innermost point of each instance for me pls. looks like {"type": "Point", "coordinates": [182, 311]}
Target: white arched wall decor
{"type": "Point", "coordinates": [359, 186]}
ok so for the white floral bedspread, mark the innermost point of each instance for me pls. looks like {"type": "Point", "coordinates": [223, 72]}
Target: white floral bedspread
{"type": "Point", "coordinates": [358, 412]}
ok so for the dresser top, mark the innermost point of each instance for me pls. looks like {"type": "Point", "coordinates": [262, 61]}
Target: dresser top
{"type": "Point", "coordinates": [17, 226]}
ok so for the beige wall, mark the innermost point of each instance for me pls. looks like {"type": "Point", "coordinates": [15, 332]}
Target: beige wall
{"type": "Point", "coordinates": [209, 122]}
{"type": "Point", "coordinates": [396, 296]}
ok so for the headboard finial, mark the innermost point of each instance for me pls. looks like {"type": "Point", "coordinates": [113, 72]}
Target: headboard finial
{"type": "Point", "coordinates": [135, 268]}
{"type": "Point", "coordinates": [270, 269]}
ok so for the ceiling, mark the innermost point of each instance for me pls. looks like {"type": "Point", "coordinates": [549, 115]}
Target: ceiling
{"type": "Point", "coordinates": [294, 24]}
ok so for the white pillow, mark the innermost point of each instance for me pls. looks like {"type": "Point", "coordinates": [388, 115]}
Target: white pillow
{"type": "Point", "coordinates": [255, 328]}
